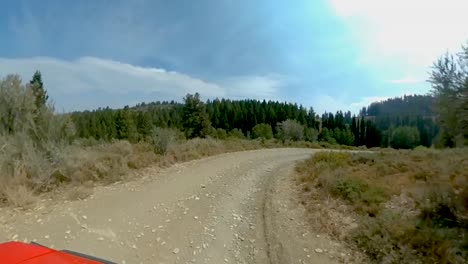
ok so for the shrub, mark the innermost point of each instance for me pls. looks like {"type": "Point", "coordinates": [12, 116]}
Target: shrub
{"type": "Point", "coordinates": [381, 237]}
{"type": "Point", "coordinates": [162, 138]}
{"type": "Point", "coordinates": [311, 134]}
{"type": "Point", "coordinates": [326, 136]}
{"type": "Point", "coordinates": [262, 131]}
{"type": "Point", "coordinates": [221, 133]}
{"type": "Point", "coordinates": [411, 206]}
{"type": "Point", "coordinates": [404, 137]}
{"type": "Point", "coordinates": [195, 148]}
{"type": "Point", "coordinates": [17, 106]}
{"type": "Point", "coordinates": [332, 159]}
{"type": "Point", "coordinates": [290, 130]}
{"type": "Point", "coordinates": [236, 133]}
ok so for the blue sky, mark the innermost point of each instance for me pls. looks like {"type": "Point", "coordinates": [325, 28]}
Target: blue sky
{"type": "Point", "coordinates": [329, 54]}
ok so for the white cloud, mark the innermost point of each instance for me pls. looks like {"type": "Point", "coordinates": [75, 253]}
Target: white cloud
{"type": "Point", "coordinates": [406, 80]}
{"type": "Point", "coordinates": [254, 87]}
{"type": "Point", "coordinates": [91, 82]}
{"type": "Point", "coordinates": [415, 31]}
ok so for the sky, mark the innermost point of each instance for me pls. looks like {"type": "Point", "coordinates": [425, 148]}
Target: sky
{"type": "Point", "coordinates": [327, 54]}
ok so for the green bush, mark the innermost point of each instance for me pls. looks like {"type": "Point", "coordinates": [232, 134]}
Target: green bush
{"type": "Point", "coordinates": [262, 131]}
{"type": "Point", "coordinates": [326, 136]}
{"type": "Point", "coordinates": [404, 137]}
{"type": "Point", "coordinates": [236, 133]}
{"type": "Point", "coordinates": [311, 134]}
{"type": "Point", "coordinates": [221, 133]}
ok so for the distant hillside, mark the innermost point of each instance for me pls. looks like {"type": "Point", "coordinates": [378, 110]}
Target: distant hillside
{"type": "Point", "coordinates": [408, 105]}
{"type": "Point", "coordinates": [409, 110]}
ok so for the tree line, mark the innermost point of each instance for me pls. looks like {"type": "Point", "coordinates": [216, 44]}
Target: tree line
{"type": "Point", "coordinates": [221, 118]}
{"type": "Point", "coordinates": [440, 118]}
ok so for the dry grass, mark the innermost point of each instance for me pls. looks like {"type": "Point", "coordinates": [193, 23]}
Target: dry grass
{"type": "Point", "coordinates": [28, 172]}
{"type": "Point", "coordinates": [409, 206]}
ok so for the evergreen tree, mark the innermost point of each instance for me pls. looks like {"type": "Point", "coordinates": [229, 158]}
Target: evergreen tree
{"type": "Point", "coordinates": [449, 79]}
{"type": "Point", "coordinates": [39, 92]}
{"type": "Point", "coordinates": [144, 124]}
{"type": "Point", "coordinates": [195, 117]}
{"type": "Point", "coordinates": [355, 130]}
{"type": "Point", "coordinates": [362, 133]}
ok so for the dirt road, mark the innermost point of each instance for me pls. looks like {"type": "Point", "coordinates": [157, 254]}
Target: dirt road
{"type": "Point", "coordinates": [231, 208]}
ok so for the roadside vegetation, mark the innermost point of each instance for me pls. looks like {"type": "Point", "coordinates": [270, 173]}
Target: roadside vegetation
{"type": "Point", "coordinates": [406, 206]}
{"type": "Point", "coordinates": [42, 151]}
{"type": "Point", "coordinates": [403, 206]}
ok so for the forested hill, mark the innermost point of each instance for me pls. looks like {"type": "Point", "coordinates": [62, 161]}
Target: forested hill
{"type": "Point", "coordinates": [221, 118]}
{"type": "Point", "coordinates": [377, 125]}
{"type": "Point", "coordinates": [408, 105]}
{"type": "Point", "coordinates": [409, 111]}
{"type": "Point", "coordinates": [223, 114]}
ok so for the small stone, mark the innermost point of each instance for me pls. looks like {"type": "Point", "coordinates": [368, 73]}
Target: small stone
{"type": "Point", "coordinates": [84, 217]}
{"type": "Point", "coordinates": [46, 236]}
{"type": "Point", "coordinates": [101, 239]}
{"type": "Point", "coordinates": [176, 250]}
{"type": "Point", "coordinates": [319, 250]}
{"type": "Point", "coordinates": [203, 186]}
{"type": "Point", "coordinates": [195, 217]}
{"type": "Point", "coordinates": [134, 246]}
{"type": "Point", "coordinates": [153, 230]}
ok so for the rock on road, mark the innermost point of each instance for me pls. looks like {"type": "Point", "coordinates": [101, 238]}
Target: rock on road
{"type": "Point", "coordinates": [228, 208]}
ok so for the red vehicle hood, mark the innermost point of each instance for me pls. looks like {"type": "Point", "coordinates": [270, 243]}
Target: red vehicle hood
{"type": "Point", "coordinates": [17, 252]}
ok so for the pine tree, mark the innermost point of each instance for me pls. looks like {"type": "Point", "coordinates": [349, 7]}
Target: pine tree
{"type": "Point", "coordinates": [196, 119]}
{"type": "Point", "coordinates": [362, 132]}
{"type": "Point", "coordinates": [355, 130]}
{"type": "Point", "coordinates": [39, 92]}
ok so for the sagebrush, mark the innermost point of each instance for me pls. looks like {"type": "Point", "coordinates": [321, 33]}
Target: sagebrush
{"type": "Point", "coordinates": [410, 206]}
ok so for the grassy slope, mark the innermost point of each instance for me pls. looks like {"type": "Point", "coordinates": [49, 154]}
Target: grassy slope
{"type": "Point", "coordinates": [397, 206]}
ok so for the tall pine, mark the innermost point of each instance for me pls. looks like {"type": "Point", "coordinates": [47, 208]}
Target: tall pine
{"type": "Point", "coordinates": [39, 92]}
